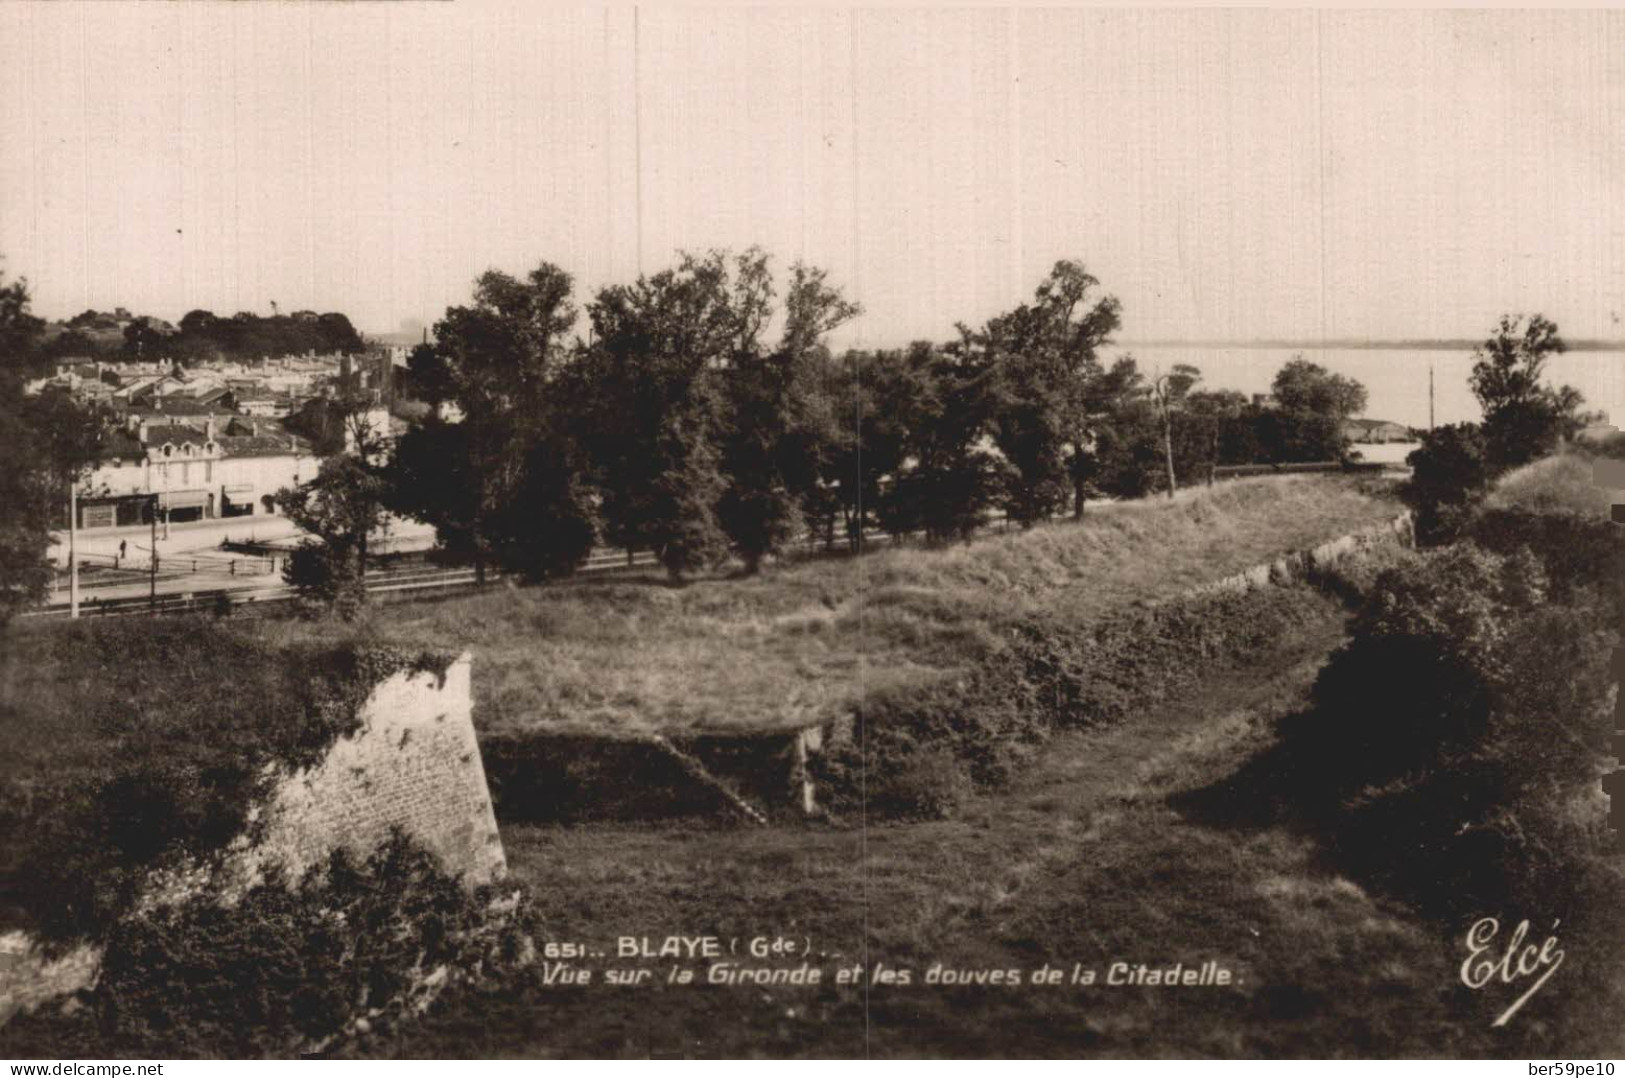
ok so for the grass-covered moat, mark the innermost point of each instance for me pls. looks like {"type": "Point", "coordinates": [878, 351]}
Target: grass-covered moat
{"type": "Point", "coordinates": [1263, 787]}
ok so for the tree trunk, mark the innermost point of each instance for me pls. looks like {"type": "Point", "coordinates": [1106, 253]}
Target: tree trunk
{"type": "Point", "coordinates": [1077, 497]}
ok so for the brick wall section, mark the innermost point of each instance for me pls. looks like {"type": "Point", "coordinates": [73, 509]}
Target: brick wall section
{"type": "Point", "coordinates": [414, 763]}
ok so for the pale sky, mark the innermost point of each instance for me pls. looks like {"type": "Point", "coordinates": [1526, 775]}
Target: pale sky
{"type": "Point", "coordinates": [1228, 174]}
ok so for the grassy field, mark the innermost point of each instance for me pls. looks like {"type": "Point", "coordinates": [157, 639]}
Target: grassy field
{"type": "Point", "coordinates": [796, 644]}
{"type": "Point", "coordinates": [1561, 484]}
{"type": "Point", "coordinates": [1101, 855]}
{"type": "Point", "coordinates": [807, 641]}
{"type": "Point", "coordinates": [1141, 841]}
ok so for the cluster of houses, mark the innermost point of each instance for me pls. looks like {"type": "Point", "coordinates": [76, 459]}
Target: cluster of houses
{"type": "Point", "coordinates": [207, 442]}
{"type": "Point", "coordinates": [264, 387]}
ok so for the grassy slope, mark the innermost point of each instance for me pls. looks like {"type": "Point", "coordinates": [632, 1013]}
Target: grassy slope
{"type": "Point", "coordinates": [797, 644]}
{"type": "Point", "coordinates": [803, 642]}
{"type": "Point", "coordinates": [1092, 860]}
{"type": "Point", "coordinates": [1556, 484]}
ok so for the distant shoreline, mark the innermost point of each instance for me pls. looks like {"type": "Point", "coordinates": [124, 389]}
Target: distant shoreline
{"type": "Point", "coordinates": [1577, 345]}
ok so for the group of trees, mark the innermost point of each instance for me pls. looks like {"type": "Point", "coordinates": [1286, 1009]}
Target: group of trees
{"type": "Point", "coordinates": [685, 426]}
{"type": "Point", "coordinates": [48, 440]}
{"type": "Point", "coordinates": [1524, 419]}
{"type": "Point", "coordinates": [201, 335]}
{"type": "Point", "coordinates": [705, 415]}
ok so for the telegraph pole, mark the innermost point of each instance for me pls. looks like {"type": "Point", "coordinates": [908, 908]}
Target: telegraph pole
{"type": "Point", "coordinates": [1430, 397]}
{"type": "Point", "coordinates": [73, 553]}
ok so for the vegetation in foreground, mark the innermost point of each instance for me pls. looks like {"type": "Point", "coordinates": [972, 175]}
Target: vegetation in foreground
{"type": "Point", "coordinates": [1242, 817]}
{"type": "Point", "coordinates": [1330, 829]}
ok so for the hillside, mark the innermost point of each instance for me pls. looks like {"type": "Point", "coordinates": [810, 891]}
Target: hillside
{"type": "Point", "coordinates": [806, 642]}
{"type": "Point", "coordinates": [796, 645]}
{"type": "Point", "coordinates": [1555, 484]}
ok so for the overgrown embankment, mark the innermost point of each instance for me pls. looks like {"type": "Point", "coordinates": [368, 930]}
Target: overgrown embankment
{"type": "Point", "coordinates": [1453, 749]}
{"type": "Point", "coordinates": [134, 744]}
{"type": "Point", "coordinates": [947, 667]}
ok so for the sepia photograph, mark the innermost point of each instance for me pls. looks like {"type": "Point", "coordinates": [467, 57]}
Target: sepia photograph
{"type": "Point", "coordinates": [657, 531]}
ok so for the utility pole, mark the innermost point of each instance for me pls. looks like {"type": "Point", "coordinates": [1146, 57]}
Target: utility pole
{"type": "Point", "coordinates": [73, 553]}
{"type": "Point", "coordinates": [1430, 397]}
{"type": "Point", "coordinates": [152, 594]}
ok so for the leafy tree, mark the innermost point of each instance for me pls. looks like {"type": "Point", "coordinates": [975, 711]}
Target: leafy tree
{"type": "Point", "coordinates": [20, 329]}
{"type": "Point", "coordinates": [1302, 386]}
{"type": "Point", "coordinates": [1045, 354]}
{"type": "Point", "coordinates": [69, 345]}
{"type": "Point", "coordinates": [1450, 474]}
{"type": "Point", "coordinates": [500, 360]}
{"type": "Point", "coordinates": [1523, 417]}
{"type": "Point", "coordinates": [50, 442]}
{"type": "Point", "coordinates": [146, 338]}
{"type": "Point", "coordinates": [1120, 457]}
{"type": "Point", "coordinates": [655, 410]}
{"type": "Point", "coordinates": [341, 508]}
{"type": "Point", "coordinates": [1306, 423]}
{"type": "Point", "coordinates": [947, 477]}
{"type": "Point", "coordinates": [428, 378]}
{"type": "Point", "coordinates": [868, 435]}
{"type": "Point", "coordinates": [781, 431]}
{"type": "Point", "coordinates": [431, 479]}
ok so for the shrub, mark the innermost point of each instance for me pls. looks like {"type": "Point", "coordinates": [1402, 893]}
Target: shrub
{"type": "Point", "coordinates": [1425, 657]}
{"type": "Point", "coordinates": [1048, 673]}
{"type": "Point", "coordinates": [925, 783]}
{"type": "Point", "coordinates": [176, 768]}
{"type": "Point", "coordinates": [1458, 737]}
{"type": "Point", "coordinates": [1450, 474]}
{"type": "Point", "coordinates": [297, 965]}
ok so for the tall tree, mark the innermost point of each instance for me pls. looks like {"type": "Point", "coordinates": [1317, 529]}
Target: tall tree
{"type": "Point", "coordinates": [1046, 357]}
{"type": "Point", "coordinates": [20, 328]}
{"type": "Point", "coordinates": [1302, 386]}
{"type": "Point", "coordinates": [498, 359]}
{"type": "Point", "coordinates": [1311, 405]}
{"type": "Point", "coordinates": [1169, 392]}
{"type": "Point", "coordinates": [655, 409]}
{"type": "Point", "coordinates": [780, 431]}
{"type": "Point", "coordinates": [340, 509]}
{"type": "Point", "coordinates": [946, 477]}
{"type": "Point", "coordinates": [50, 442]}
{"type": "Point", "coordinates": [1524, 418]}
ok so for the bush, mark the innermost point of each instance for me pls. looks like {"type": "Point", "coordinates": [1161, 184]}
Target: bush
{"type": "Point", "coordinates": [1049, 673]}
{"type": "Point", "coordinates": [175, 771]}
{"type": "Point", "coordinates": [1457, 739]}
{"type": "Point", "coordinates": [297, 965]}
{"type": "Point", "coordinates": [927, 783]}
{"type": "Point", "coordinates": [1450, 474]}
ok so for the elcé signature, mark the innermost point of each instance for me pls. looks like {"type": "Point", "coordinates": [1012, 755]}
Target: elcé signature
{"type": "Point", "coordinates": [1511, 964]}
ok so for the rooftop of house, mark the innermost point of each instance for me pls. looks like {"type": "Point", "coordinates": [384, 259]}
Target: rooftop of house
{"type": "Point", "coordinates": [175, 434]}
{"type": "Point", "coordinates": [236, 436]}
{"type": "Point", "coordinates": [167, 406]}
